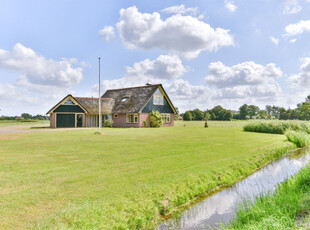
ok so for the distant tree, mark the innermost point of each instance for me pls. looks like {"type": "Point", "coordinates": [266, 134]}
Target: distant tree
{"type": "Point", "coordinates": [252, 110]}
{"type": "Point", "coordinates": [187, 116]}
{"type": "Point", "coordinates": [243, 111]}
{"type": "Point", "coordinates": [263, 114]}
{"type": "Point", "coordinates": [26, 116]}
{"type": "Point", "coordinates": [219, 113]}
{"type": "Point", "coordinates": [198, 115]}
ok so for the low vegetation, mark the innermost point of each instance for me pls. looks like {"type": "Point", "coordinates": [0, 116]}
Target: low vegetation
{"type": "Point", "coordinates": [299, 138]}
{"type": "Point", "coordinates": [279, 210]}
{"type": "Point", "coordinates": [24, 122]}
{"type": "Point", "coordinates": [155, 119]}
{"type": "Point", "coordinates": [278, 127]}
{"type": "Point", "coordinates": [125, 178]}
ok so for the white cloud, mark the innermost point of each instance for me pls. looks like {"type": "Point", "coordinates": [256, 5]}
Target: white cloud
{"type": "Point", "coordinates": [41, 82]}
{"type": "Point", "coordinates": [229, 5]}
{"type": "Point", "coordinates": [180, 9]}
{"type": "Point", "coordinates": [274, 40]}
{"type": "Point", "coordinates": [302, 79]}
{"type": "Point", "coordinates": [38, 69]}
{"type": "Point", "coordinates": [182, 35]}
{"type": "Point", "coordinates": [246, 73]}
{"type": "Point", "coordinates": [292, 7]}
{"type": "Point", "coordinates": [293, 40]}
{"type": "Point", "coordinates": [297, 28]}
{"type": "Point", "coordinates": [165, 67]}
{"type": "Point", "coordinates": [107, 33]}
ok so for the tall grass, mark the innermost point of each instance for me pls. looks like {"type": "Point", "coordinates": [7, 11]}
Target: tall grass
{"type": "Point", "coordinates": [278, 210]}
{"type": "Point", "coordinates": [299, 138]}
{"type": "Point", "coordinates": [278, 127]}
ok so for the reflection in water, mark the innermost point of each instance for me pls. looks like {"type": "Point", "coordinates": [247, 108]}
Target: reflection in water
{"type": "Point", "coordinates": [221, 206]}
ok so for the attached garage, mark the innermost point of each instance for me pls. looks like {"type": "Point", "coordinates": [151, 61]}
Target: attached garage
{"type": "Point", "coordinates": [65, 120]}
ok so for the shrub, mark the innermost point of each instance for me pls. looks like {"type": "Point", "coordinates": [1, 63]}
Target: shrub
{"type": "Point", "coordinates": [299, 138]}
{"type": "Point", "coordinates": [278, 127]}
{"type": "Point", "coordinates": [155, 119]}
{"type": "Point", "coordinates": [108, 123]}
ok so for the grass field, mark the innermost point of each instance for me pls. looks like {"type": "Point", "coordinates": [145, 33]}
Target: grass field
{"type": "Point", "coordinates": [24, 122]}
{"type": "Point", "coordinates": [125, 178]}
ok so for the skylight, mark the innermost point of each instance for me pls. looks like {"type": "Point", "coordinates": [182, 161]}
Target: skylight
{"type": "Point", "coordinates": [124, 99]}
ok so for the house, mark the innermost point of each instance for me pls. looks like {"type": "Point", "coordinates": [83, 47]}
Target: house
{"type": "Point", "coordinates": [126, 107]}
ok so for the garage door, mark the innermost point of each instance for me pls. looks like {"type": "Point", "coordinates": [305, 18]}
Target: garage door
{"type": "Point", "coordinates": [65, 120]}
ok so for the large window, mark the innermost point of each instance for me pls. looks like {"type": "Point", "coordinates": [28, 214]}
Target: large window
{"type": "Point", "coordinates": [165, 117]}
{"type": "Point", "coordinates": [132, 118]}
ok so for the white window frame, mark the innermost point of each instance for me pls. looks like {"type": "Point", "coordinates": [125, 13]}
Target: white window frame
{"type": "Point", "coordinates": [166, 117]}
{"type": "Point", "coordinates": [135, 118]}
{"type": "Point", "coordinates": [158, 99]}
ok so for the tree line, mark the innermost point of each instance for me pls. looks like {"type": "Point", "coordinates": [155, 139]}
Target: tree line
{"type": "Point", "coordinates": [25, 116]}
{"type": "Point", "coordinates": [302, 112]}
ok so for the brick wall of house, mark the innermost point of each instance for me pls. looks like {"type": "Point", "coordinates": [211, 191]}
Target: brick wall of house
{"type": "Point", "coordinates": [120, 121]}
{"type": "Point", "coordinates": [53, 120]}
{"type": "Point", "coordinates": [171, 121]}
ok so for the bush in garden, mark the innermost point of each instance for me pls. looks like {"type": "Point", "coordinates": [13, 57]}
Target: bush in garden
{"type": "Point", "coordinates": [155, 119]}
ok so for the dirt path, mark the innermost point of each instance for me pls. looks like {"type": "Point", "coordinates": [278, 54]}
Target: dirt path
{"type": "Point", "coordinates": [31, 128]}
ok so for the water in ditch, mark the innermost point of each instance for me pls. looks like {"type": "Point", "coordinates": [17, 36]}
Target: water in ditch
{"type": "Point", "coordinates": [221, 207]}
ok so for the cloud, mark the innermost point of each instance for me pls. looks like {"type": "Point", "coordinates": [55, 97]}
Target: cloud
{"type": "Point", "coordinates": [165, 67]}
{"type": "Point", "coordinates": [38, 69]}
{"type": "Point", "coordinates": [292, 7]}
{"type": "Point", "coordinates": [274, 40]}
{"type": "Point", "coordinates": [162, 69]}
{"type": "Point", "coordinates": [243, 74]}
{"type": "Point", "coordinates": [181, 9]}
{"type": "Point", "coordinates": [40, 83]}
{"type": "Point", "coordinates": [107, 33]}
{"type": "Point", "coordinates": [186, 36]}
{"type": "Point", "coordinates": [302, 79]}
{"type": "Point", "coordinates": [229, 5]}
{"type": "Point", "coordinates": [297, 28]}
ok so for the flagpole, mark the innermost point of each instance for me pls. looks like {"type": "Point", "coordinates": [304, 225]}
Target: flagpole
{"type": "Point", "coordinates": [99, 102]}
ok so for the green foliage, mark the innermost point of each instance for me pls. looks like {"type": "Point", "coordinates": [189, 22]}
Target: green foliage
{"type": "Point", "coordinates": [299, 138]}
{"type": "Point", "coordinates": [155, 119]}
{"type": "Point", "coordinates": [278, 127]}
{"type": "Point", "coordinates": [278, 210]}
{"type": "Point", "coordinates": [108, 123]}
{"type": "Point", "coordinates": [220, 114]}
{"type": "Point", "coordinates": [187, 116]}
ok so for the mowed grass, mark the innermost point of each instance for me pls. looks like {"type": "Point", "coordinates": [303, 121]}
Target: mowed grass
{"type": "Point", "coordinates": [125, 178]}
{"type": "Point", "coordinates": [4, 123]}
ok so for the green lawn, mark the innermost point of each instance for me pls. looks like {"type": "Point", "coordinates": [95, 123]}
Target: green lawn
{"type": "Point", "coordinates": [24, 122]}
{"type": "Point", "coordinates": [125, 178]}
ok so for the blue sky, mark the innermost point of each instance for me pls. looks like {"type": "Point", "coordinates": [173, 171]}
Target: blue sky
{"type": "Point", "coordinates": [204, 53]}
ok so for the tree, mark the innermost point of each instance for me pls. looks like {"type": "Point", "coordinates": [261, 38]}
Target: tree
{"type": "Point", "coordinates": [187, 116]}
{"type": "Point", "coordinates": [243, 111]}
{"type": "Point", "coordinates": [198, 114]}
{"type": "Point", "coordinates": [26, 115]}
{"type": "Point", "coordinates": [252, 110]}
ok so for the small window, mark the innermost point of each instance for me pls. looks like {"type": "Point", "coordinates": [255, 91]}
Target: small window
{"type": "Point", "coordinates": [124, 99]}
{"type": "Point", "coordinates": [69, 102]}
{"type": "Point", "coordinates": [115, 115]}
{"type": "Point", "coordinates": [158, 100]}
{"type": "Point", "coordinates": [165, 117]}
{"type": "Point", "coordinates": [132, 118]}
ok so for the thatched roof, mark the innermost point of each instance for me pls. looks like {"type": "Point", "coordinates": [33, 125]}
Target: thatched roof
{"type": "Point", "coordinates": [91, 104]}
{"type": "Point", "coordinates": [137, 97]}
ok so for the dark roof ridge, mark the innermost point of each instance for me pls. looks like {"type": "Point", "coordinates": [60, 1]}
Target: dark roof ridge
{"type": "Point", "coordinates": [134, 87]}
{"type": "Point", "coordinates": [104, 98]}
